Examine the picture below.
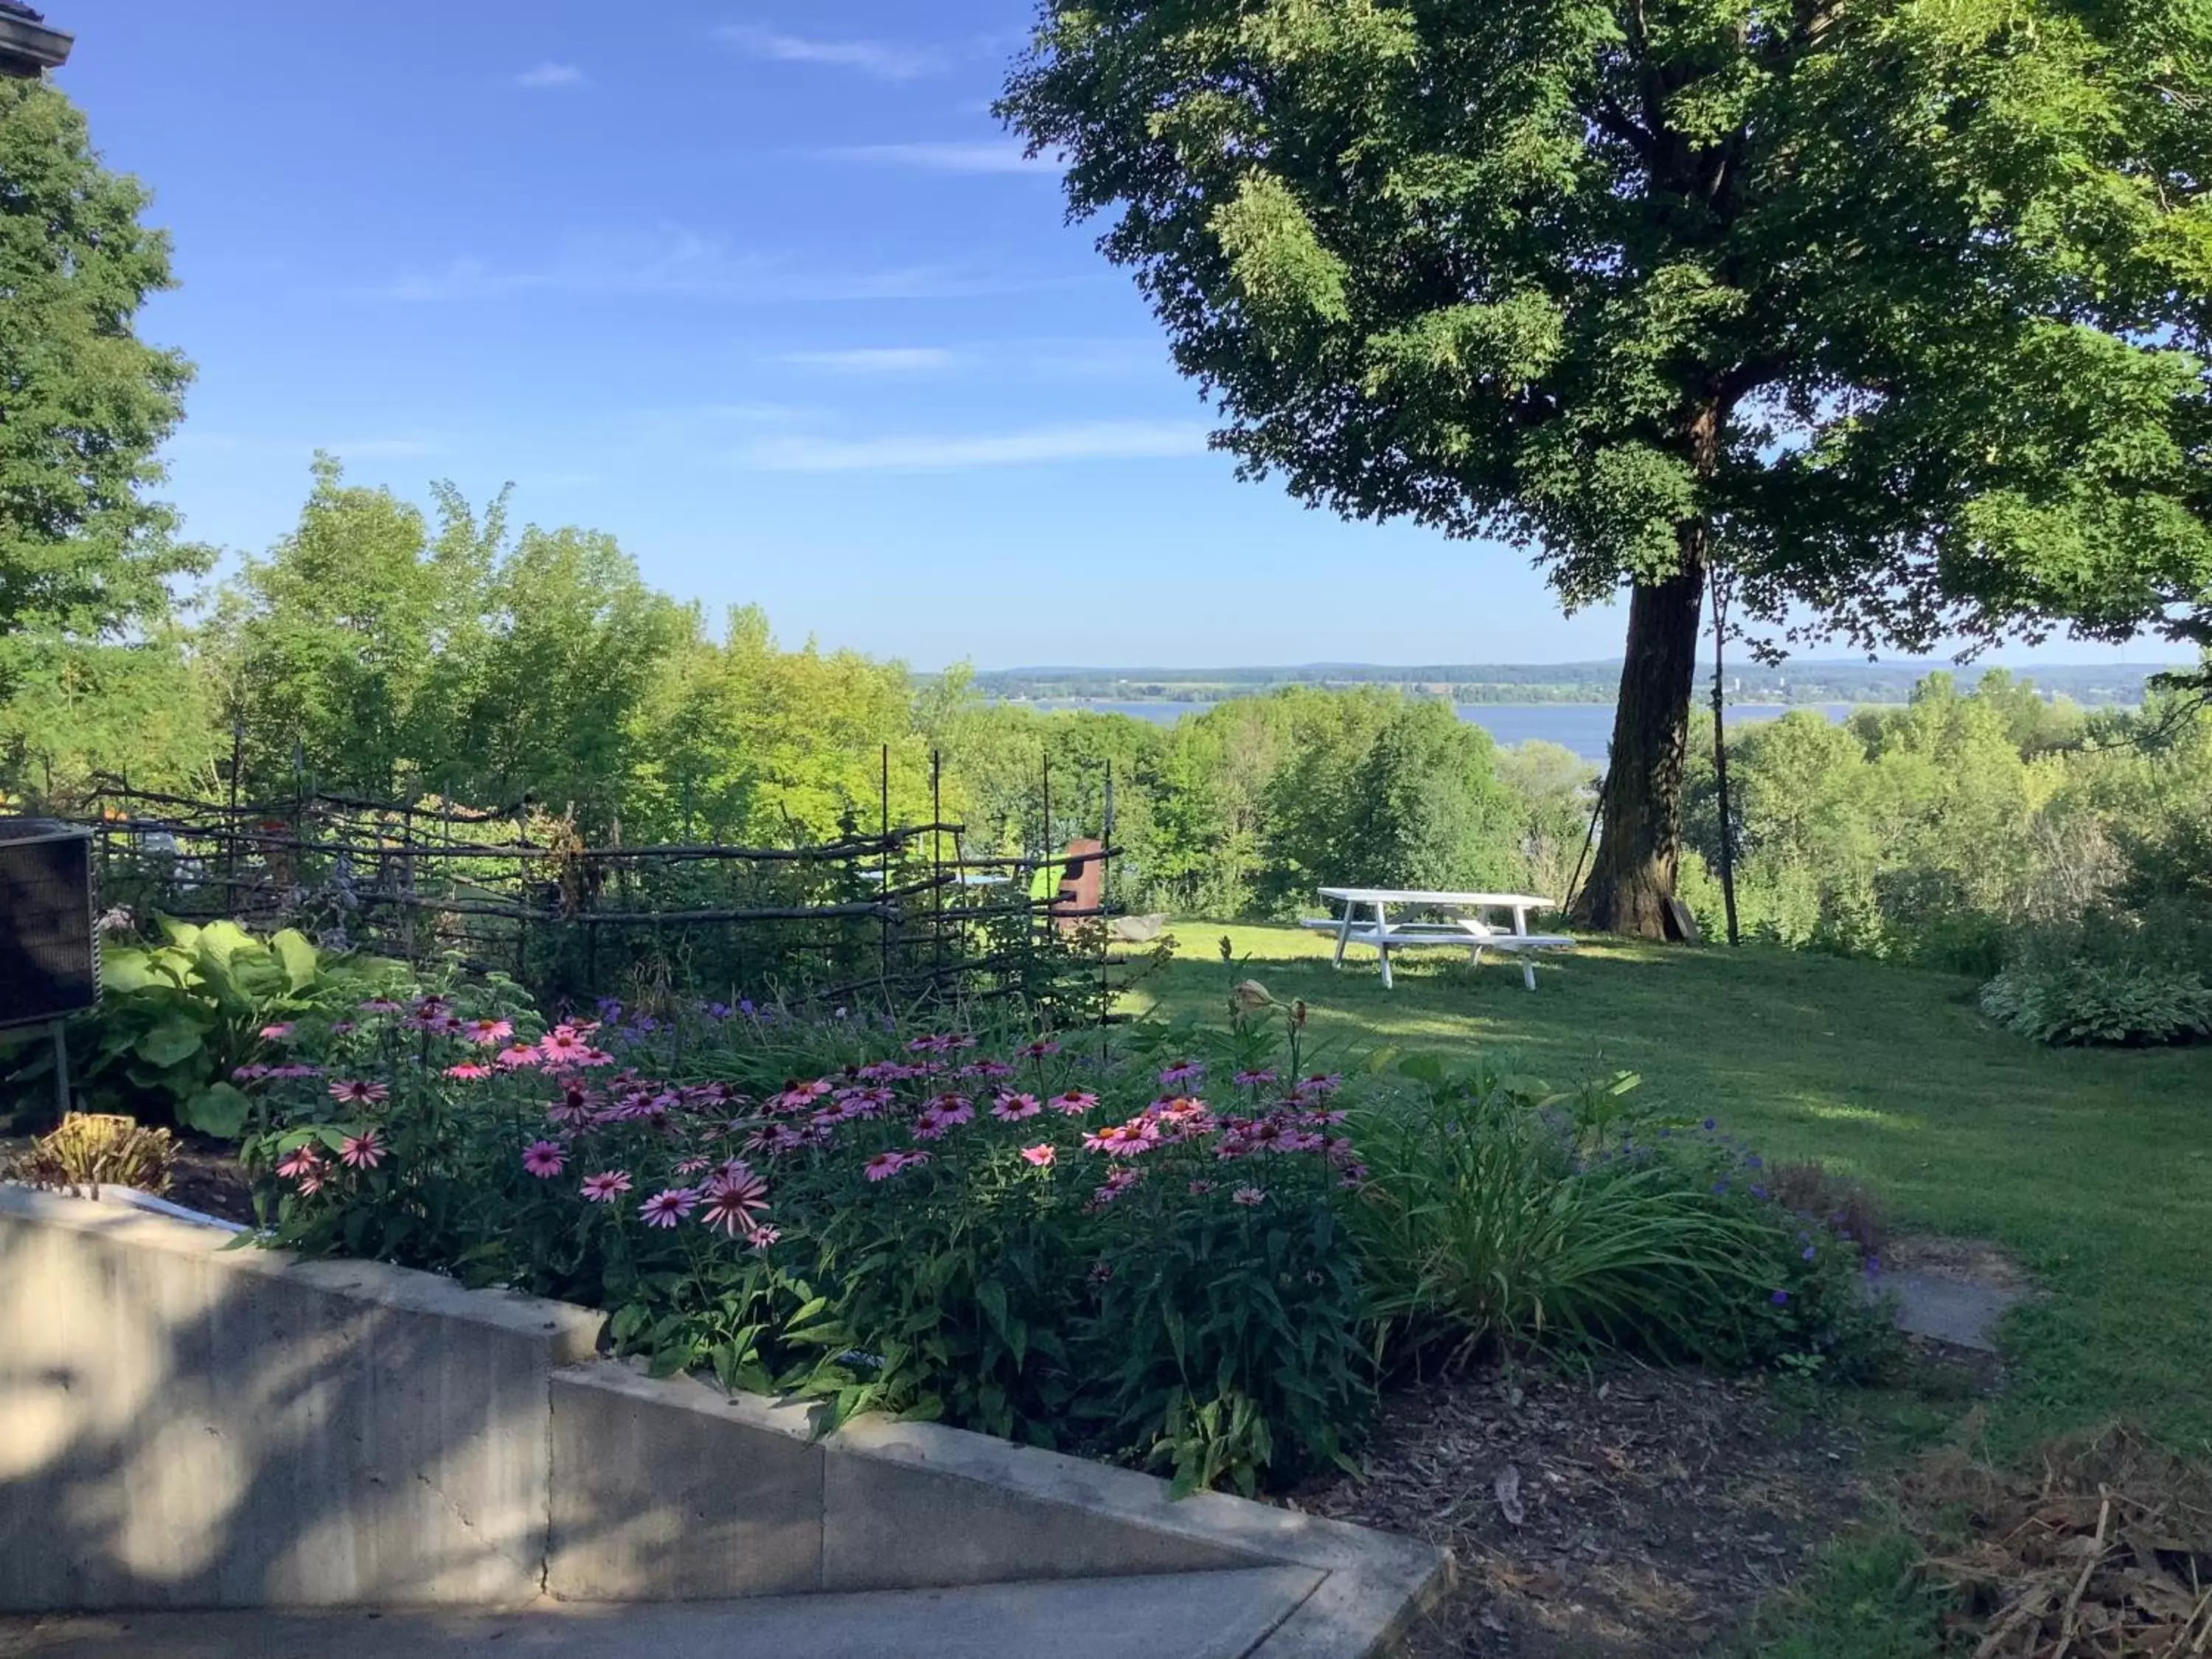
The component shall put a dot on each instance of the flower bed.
(1163, 1248)
(1074, 1248)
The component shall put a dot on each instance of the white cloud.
(1092, 440)
(876, 359)
(676, 262)
(550, 78)
(881, 59)
(948, 158)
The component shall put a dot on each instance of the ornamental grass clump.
(1499, 1215)
(1084, 1248)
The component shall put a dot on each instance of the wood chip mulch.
(1626, 1513)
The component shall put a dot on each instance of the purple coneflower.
(358, 1091)
(545, 1158)
(605, 1187)
(668, 1206)
(362, 1151)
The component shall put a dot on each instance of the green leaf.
(174, 1039)
(220, 1109)
(297, 953)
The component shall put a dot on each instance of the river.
(1584, 727)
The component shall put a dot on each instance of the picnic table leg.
(1383, 942)
(1344, 933)
(1528, 971)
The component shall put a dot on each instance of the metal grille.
(49, 949)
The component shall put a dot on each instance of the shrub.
(175, 1019)
(2106, 979)
(1499, 1213)
(1071, 1249)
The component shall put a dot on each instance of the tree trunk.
(1640, 844)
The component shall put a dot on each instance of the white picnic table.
(1466, 924)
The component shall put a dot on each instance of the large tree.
(1891, 314)
(84, 403)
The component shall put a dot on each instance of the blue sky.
(765, 292)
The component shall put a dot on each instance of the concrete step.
(1197, 1616)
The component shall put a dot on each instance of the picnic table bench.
(1366, 921)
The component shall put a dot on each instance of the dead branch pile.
(2106, 1553)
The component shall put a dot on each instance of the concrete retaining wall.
(185, 1425)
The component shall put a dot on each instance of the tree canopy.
(1895, 314)
(84, 403)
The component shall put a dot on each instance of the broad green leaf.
(296, 952)
(173, 1039)
(220, 1110)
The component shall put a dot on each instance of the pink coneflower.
(593, 1057)
(1117, 1183)
(1175, 1075)
(342, 1028)
(605, 1187)
(545, 1158)
(1122, 1139)
(1249, 1196)
(469, 1071)
(994, 1071)
(1013, 1108)
(289, 1073)
(561, 1046)
(304, 1161)
(691, 1166)
(485, 1032)
(760, 1237)
(929, 1045)
(1320, 1083)
(668, 1206)
(519, 1053)
(379, 1006)
(311, 1182)
(800, 1097)
(730, 1201)
(248, 1073)
(739, 1177)
(362, 1151)
(1200, 1189)
(884, 1165)
(1041, 1156)
(1075, 1103)
(1258, 1080)
(358, 1091)
(1040, 1049)
(276, 1033)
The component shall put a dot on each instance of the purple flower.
(1779, 1297)
(1811, 1253)
(1710, 1124)
(545, 1158)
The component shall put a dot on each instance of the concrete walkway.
(1200, 1615)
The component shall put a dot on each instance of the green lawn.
(2093, 1168)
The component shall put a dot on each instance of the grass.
(2093, 1168)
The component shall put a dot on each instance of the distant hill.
(2100, 684)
